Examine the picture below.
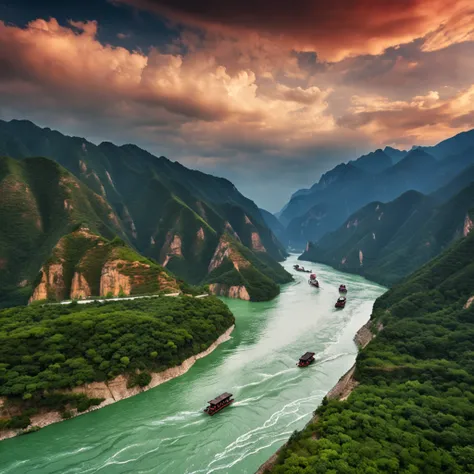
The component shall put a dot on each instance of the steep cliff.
(237, 272)
(84, 264)
(43, 257)
(165, 211)
(386, 241)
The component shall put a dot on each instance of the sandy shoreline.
(116, 389)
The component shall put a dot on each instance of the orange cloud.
(67, 66)
(422, 120)
(334, 30)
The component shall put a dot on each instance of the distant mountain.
(274, 225)
(395, 154)
(374, 162)
(386, 242)
(165, 211)
(459, 144)
(379, 176)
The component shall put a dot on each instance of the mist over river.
(165, 430)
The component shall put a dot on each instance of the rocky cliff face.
(51, 284)
(112, 282)
(239, 292)
(80, 289)
(225, 250)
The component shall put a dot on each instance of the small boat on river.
(341, 302)
(301, 269)
(306, 359)
(313, 281)
(219, 403)
(342, 289)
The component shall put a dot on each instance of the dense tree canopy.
(44, 348)
(413, 411)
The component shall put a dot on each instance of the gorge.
(158, 429)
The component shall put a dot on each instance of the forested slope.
(413, 408)
(48, 350)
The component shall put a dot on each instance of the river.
(165, 430)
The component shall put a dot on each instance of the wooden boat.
(219, 403)
(341, 302)
(306, 359)
(342, 289)
(301, 269)
(314, 282)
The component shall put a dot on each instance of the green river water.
(165, 430)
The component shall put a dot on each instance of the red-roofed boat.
(217, 404)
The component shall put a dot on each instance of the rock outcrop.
(468, 225)
(220, 289)
(52, 282)
(112, 282)
(80, 289)
(257, 243)
(225, 250)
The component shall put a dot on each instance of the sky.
(268, 94)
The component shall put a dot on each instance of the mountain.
(374, 162)
(176, 216)
(406, 406)
(54, 241)
(274, 224)
(395, 154)
(459, 144)
(379, 176)
(386, 242)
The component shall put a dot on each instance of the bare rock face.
(238, 292)
(112, 281)
(468, 225)
(257, 243)
(79, 287)
(172, 246)
(225, 250)
(51, 281)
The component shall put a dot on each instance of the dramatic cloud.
(423, 119)
(277, 90)
(334, 29)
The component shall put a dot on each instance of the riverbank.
(116, 389)
(340, 391)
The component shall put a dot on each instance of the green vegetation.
(258, 272)
(395, 238)
(413, 410)
(106, 189)
(45, 349)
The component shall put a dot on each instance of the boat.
(301, 269)
(342, 289)
(306, 359)
(312, 280)
(341, 302)
(219, 403)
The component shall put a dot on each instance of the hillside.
(58, 357)
(166, 212)
(386, 242)
(379, 176)
(40, 202)
(411, 409)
